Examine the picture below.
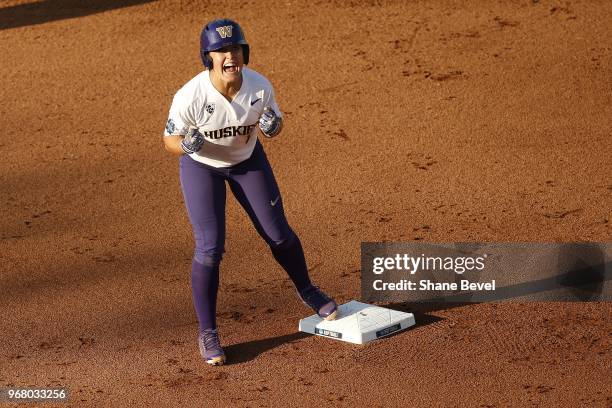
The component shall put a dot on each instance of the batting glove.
(270, 123)
(193, 141)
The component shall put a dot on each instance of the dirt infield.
(425, 120)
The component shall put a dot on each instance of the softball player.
(212, 125)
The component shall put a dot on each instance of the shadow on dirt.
(423, 308)
(50, 10)
(243, 352)
(421, 312)
(422, 318)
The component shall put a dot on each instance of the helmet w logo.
(225, 31)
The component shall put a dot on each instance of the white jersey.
(229, 128)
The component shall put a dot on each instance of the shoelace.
(211, 340)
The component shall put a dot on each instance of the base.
(358, 323)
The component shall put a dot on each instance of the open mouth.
(230, 67)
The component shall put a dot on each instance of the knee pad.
(285, 242)
(208, 259)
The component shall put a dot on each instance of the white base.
(358, 323)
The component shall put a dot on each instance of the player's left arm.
(271, 120)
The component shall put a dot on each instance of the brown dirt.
(423, 120)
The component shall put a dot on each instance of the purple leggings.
(254, 186)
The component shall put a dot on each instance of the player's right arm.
(172, 144)
(190, 143)
(181, 135)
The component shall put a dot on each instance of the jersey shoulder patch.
(170, 126)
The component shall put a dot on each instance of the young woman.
(213, 125)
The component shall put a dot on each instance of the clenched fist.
(270, 123)
(193, 141)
